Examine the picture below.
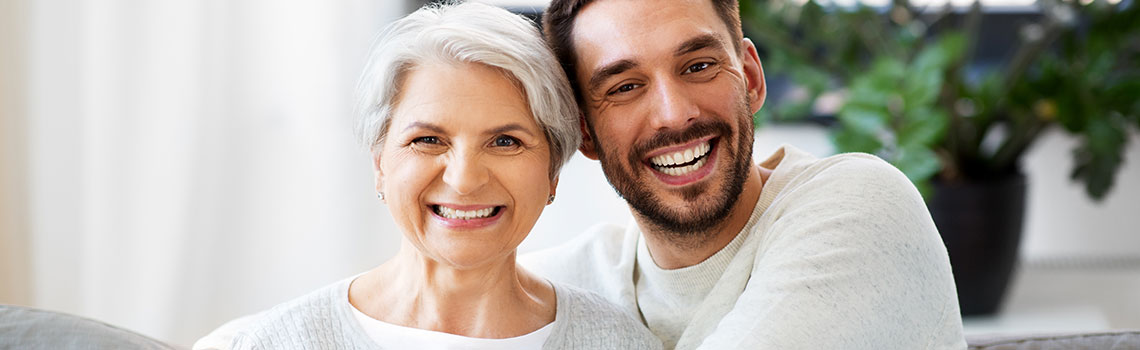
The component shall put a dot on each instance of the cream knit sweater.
(839, 253)
(323, 319)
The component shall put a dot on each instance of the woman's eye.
(429, 140)
(697, 67)
(506, 141)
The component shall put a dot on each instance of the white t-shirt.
(400, 337)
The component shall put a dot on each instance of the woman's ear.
(377, 169)
(754, 73)
(588, 146)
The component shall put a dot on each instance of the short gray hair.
(469, 33)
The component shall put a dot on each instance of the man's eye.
(698, 67)
(625, 88)
(506, 141)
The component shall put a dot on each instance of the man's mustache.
(674, 137)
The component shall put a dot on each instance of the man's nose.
(675, 107)
(466, 172)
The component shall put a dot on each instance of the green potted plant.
(911, 94)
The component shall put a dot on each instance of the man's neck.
(669, 253)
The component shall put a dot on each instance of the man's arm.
(849, 260)
(599, 260)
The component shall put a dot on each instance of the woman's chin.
(475, 257)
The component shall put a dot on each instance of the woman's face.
(464, 167)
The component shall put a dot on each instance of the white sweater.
(323, 319)
(839, 253)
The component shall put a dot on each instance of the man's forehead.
(612, 30)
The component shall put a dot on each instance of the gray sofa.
(1108, 340)
(27, 328)
(33, 329)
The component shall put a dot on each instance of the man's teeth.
(464, 214)
(678, 171)
(669, 163)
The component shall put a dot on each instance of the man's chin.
(684, 211)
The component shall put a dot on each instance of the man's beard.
(692, 226)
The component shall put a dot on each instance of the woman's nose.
(675, 108)
(465, 173)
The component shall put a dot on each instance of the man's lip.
(677, 148)
(690, 178)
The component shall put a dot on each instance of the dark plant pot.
(981, 226)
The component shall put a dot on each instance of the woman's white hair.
(469, 33)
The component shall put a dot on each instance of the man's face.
(669, 105)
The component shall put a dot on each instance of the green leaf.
(886, 73)
(918, 163)
(922, 87)
(761, 118)
(848, 140)
(949, 48)
(1099, 157)
(868, 121)
(923, 127)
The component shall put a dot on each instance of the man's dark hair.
(558, 26)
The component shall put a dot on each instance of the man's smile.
(683, 164)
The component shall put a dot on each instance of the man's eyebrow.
(700, 42)
(509, 127)
(608, 71)
(422, 125)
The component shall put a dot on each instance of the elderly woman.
(469, 120)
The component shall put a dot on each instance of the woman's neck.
(495, 300)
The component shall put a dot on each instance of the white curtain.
(180, 163)
(191, 161)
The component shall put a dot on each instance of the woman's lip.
(467, 224)
(467, 207)
(681, 147)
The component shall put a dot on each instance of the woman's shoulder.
(589, 321)
(319, 315)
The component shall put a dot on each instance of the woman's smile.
(461, 217)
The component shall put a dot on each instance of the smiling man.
(723, 253)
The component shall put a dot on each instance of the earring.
(381, 196)
(550, 200)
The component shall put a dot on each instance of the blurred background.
(166, 166)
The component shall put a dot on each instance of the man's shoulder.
(602, 246)
(591, 321)
(842, 177)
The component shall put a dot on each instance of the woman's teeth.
(463, 214)
(682, 162)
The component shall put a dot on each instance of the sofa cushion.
(28, 328)
(1108, 340)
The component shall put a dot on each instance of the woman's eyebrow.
(509, 127)
(423, 125)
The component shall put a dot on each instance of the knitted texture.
(839, 253)
(323, 319)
